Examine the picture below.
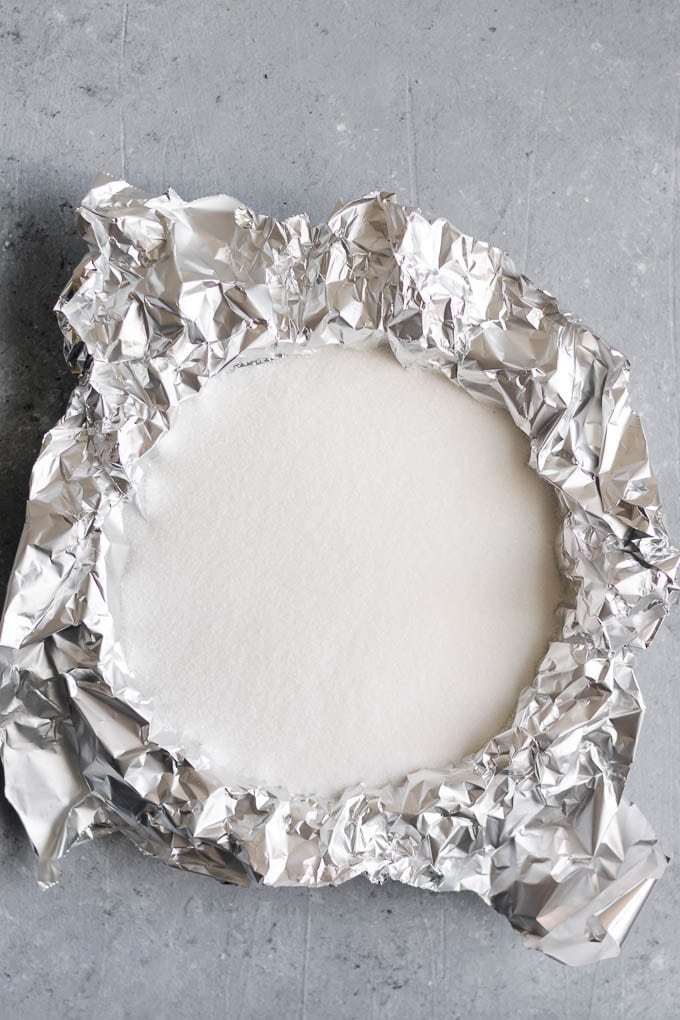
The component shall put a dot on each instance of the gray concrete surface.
(550, 128)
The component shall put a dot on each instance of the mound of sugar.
(342, 571)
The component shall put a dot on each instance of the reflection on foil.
(171, 293)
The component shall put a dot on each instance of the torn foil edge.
(173, 292)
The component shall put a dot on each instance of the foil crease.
(169, 294)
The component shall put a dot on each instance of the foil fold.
(169, 294)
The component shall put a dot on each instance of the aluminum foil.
(173, 292)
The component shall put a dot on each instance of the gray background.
(550, 129)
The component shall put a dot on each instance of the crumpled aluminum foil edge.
(171, 293)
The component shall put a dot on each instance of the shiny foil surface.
(172, 292)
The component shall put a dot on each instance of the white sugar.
(344, 572)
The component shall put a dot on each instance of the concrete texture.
(549, 128)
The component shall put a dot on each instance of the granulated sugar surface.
(343, 571)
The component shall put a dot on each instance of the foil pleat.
(173, 292)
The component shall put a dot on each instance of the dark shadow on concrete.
(38, 249)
